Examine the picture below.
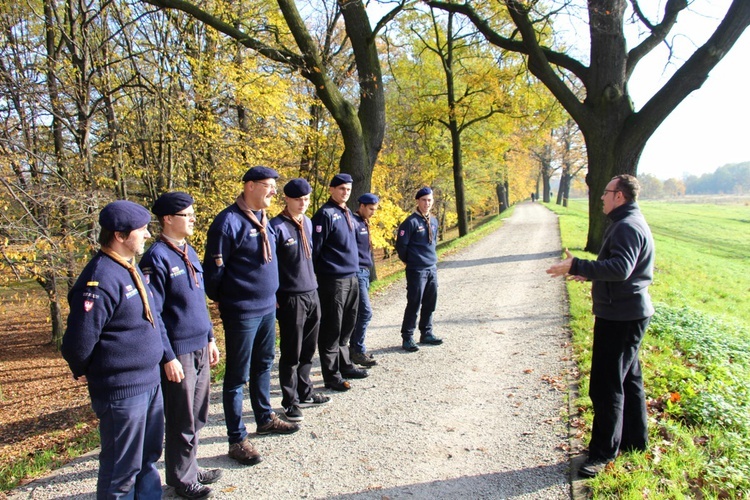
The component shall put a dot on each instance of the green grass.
(696, 354)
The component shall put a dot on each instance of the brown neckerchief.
(301, 228)
(261, 225)
(367, 225)
(344, 209)
(426, 218)
(136, 279)
(185, 258)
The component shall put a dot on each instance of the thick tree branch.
(658, 32)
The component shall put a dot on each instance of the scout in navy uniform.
(336, 264)
(115, 342)
(416, 244)
(297, 298)
(242, 275)
(368, 205)
(622, 308)
(175, 275)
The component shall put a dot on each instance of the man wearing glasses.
(242, 276)
(173, 271)
(622, 308)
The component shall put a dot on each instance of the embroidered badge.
(87, 305)
(147, 278)
(318, 229)
(401, 233)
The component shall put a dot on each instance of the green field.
(696, 355)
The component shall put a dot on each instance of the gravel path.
(479, 417)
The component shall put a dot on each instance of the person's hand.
(563, 267)
(173, 371)
(574, 277)
(213, 354)
(82, 379)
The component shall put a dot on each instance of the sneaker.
(314, 399)
(363, 359)
(245, 453)
(209, 476)
(355, 373)
(194, 491)
(591, 468)
(430, 339)
(410, 346)
(293, 414)
(276, 426)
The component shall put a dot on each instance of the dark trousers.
(299, 324)
(131, 432)
(185, 413)
(250, 346)
(338, 305)
(616, 389)
(421, 290)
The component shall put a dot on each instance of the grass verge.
(695, 357)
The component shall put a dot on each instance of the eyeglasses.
(267, 184)
(187, 216)
(610, 191)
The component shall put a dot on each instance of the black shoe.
(209, 476)
(341, 385)
(355, 373)
(410, 346)
(314, 399)
(431, 340)
(591, 468)
(293, 414)
(363, 359)
(194, 491)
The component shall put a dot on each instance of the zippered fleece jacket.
(624, 268)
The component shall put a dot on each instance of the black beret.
(123, 215)
(423, 192)
(171, 203)
(368, 199)
(340, 179)
(259, 173)
(297, 188)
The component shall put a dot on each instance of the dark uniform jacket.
(624, 269)
(412, 242)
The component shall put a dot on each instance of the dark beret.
(171, 203)
(340, 179)
(368, 199)
(423, 192)
(259, 173)
(297, 188)
(123, 215)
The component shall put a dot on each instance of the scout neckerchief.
(301, 228)
(344, 209)
(367, 225)
(184, 254)
(426, 218)
(136, 279)
(261, 225)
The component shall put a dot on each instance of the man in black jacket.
(622, 308)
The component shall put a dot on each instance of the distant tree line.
(733, 178)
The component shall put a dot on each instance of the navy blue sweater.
(412, 242)
(363, 242)
(334, 242)
(296, 273)
(236, 275)
(624, 268)
(108, 338)
(180, 302)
